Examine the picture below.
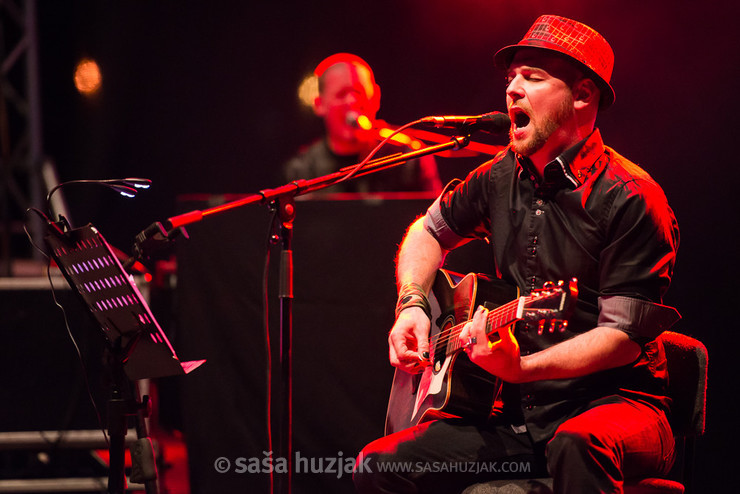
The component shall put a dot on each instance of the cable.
(67, 326)
(382, 143)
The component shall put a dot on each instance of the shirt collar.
(573, 167)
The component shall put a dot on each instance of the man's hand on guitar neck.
(596, 350)
(408, 341)
(502, 358)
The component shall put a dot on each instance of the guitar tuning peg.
(558, 324)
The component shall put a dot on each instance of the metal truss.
(21, 149)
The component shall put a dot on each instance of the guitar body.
(452, 386)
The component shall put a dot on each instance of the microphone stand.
(283, 199)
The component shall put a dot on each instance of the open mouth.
(519, 118)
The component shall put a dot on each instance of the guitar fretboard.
(497, 318)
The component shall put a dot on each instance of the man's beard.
(542, 131)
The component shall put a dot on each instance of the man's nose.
(514, 88)
(351, 98)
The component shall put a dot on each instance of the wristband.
(412, 295)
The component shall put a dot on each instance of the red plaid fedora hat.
(574, 39)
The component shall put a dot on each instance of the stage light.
(88, 78)
(308, 90)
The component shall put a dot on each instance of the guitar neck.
(499, 317)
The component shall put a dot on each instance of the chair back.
(687, 382)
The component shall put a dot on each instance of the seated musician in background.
(348, 102)
(583, 402)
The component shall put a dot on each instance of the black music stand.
(137, 346)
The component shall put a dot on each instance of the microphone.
(358, 120)
(493, 123)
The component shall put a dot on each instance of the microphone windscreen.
(358, 120)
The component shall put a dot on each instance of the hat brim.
(502, 59)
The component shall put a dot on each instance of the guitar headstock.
(551, 305)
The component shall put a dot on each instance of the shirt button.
(539, 212)
(539, 202)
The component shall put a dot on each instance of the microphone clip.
(153, 239)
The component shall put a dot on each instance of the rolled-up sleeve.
(461, 211)
(641, 319)
(436, 225)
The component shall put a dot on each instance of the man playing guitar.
(583, 401)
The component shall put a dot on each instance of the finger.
(397, 348)
(411, 363)
(393, 356)
(507, 337)
(480, 315)
(422, 345)
(421, 334)
(414, 359)
(402, 346)
(405, 356)
(466, 340)
(465, 333)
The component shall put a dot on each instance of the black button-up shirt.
(594, 216)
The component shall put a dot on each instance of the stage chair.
(687, 384)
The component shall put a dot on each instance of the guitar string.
(498, 312)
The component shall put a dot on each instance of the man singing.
(585, 402)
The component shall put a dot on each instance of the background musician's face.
(346, 87)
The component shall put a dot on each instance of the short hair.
(338, 58)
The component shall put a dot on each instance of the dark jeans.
(590, 453)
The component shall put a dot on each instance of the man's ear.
(585, 92)
(375, 100)
(318, 106)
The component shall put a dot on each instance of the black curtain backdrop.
(201, 98)
(344, 299)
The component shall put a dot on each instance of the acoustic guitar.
(452, 386)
